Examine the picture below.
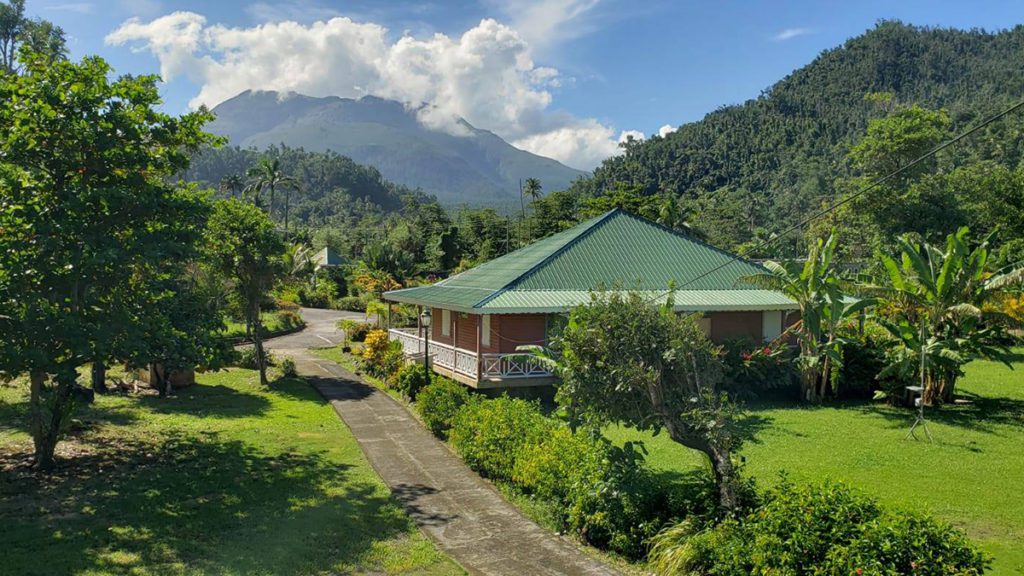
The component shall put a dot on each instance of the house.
(328, 258)
(479, 317)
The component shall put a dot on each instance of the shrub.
(818, 529)
(351, 303)
(354, 331)
(755, 368)
(439, 402)
(288, 369)
(490, 434)
(903, 543)
(560, 464)
(319, 295)
(245, 357)
(410, 379)
(289, 319)
(375, 350)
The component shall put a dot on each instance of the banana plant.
(937, 302)
(825, 308)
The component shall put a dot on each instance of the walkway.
(464, 514)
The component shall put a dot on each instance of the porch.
(479, 370)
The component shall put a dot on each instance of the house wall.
(731, 325)
(507, 330)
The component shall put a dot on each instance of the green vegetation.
(227, 477)
(274, 323)
(970, 477)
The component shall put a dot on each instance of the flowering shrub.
(756, 368)
(381, 356)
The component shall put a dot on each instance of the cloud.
(76, 7)
(296, 10)
(666, 130)
(547, 23)
(634, 134)
(790, 33)
(487, 75)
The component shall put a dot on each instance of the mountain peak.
(465, 164)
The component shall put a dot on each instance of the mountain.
(779, 156)
(477, 168)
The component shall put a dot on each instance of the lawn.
(274, 323)
(224, 478)
(972, 476)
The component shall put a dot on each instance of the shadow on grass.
(207, 400)
(200, 504)
(978, 413)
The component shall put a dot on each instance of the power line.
(874, 184)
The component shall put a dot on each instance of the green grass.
(224, 478)
(274, 323)
(972, 476)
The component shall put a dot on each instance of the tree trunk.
(46, 431)
(257, 339)
(726, 478)
(99, 377)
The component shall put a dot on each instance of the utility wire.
(831, 208)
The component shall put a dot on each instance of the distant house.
(480, 317)
(328, 258)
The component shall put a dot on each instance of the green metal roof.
(616, 249)
(328, 257)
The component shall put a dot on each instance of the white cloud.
(634, 134)
(297, 10)
(790, 33)
(546, 23)
(666, 130)
(487, 75)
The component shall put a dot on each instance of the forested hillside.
(332, 187)
(749, 170)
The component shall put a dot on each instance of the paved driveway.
(321, 330)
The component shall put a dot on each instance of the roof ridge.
(694, 239)
(596, 223)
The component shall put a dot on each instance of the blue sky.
(565, 78)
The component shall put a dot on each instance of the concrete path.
(467, 518)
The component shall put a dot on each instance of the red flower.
(746, 356)
(860, 571)
(767, 350)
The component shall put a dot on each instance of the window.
(446, 322)
(485, 330)
(771, 324)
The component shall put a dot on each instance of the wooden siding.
(730, 325)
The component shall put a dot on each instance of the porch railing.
(469, 363)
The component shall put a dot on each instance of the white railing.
(467, 362)
(444, 355)
(512, 366)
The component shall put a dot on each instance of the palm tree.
(233, 184)
(531, 190)
(824, 308)
(267, 175)
(941, 308)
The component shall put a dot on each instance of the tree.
(244, 246)
(267, 175)
(824, 309)
(941, 302)
(627, 362)
(38, 36)
(233, 184)
(87, 221)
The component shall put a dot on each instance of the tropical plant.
(244, 246)
(90, 226)
(233, 184)
(940, 304)
(659, 371)
(816, 287)
(267, 175)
